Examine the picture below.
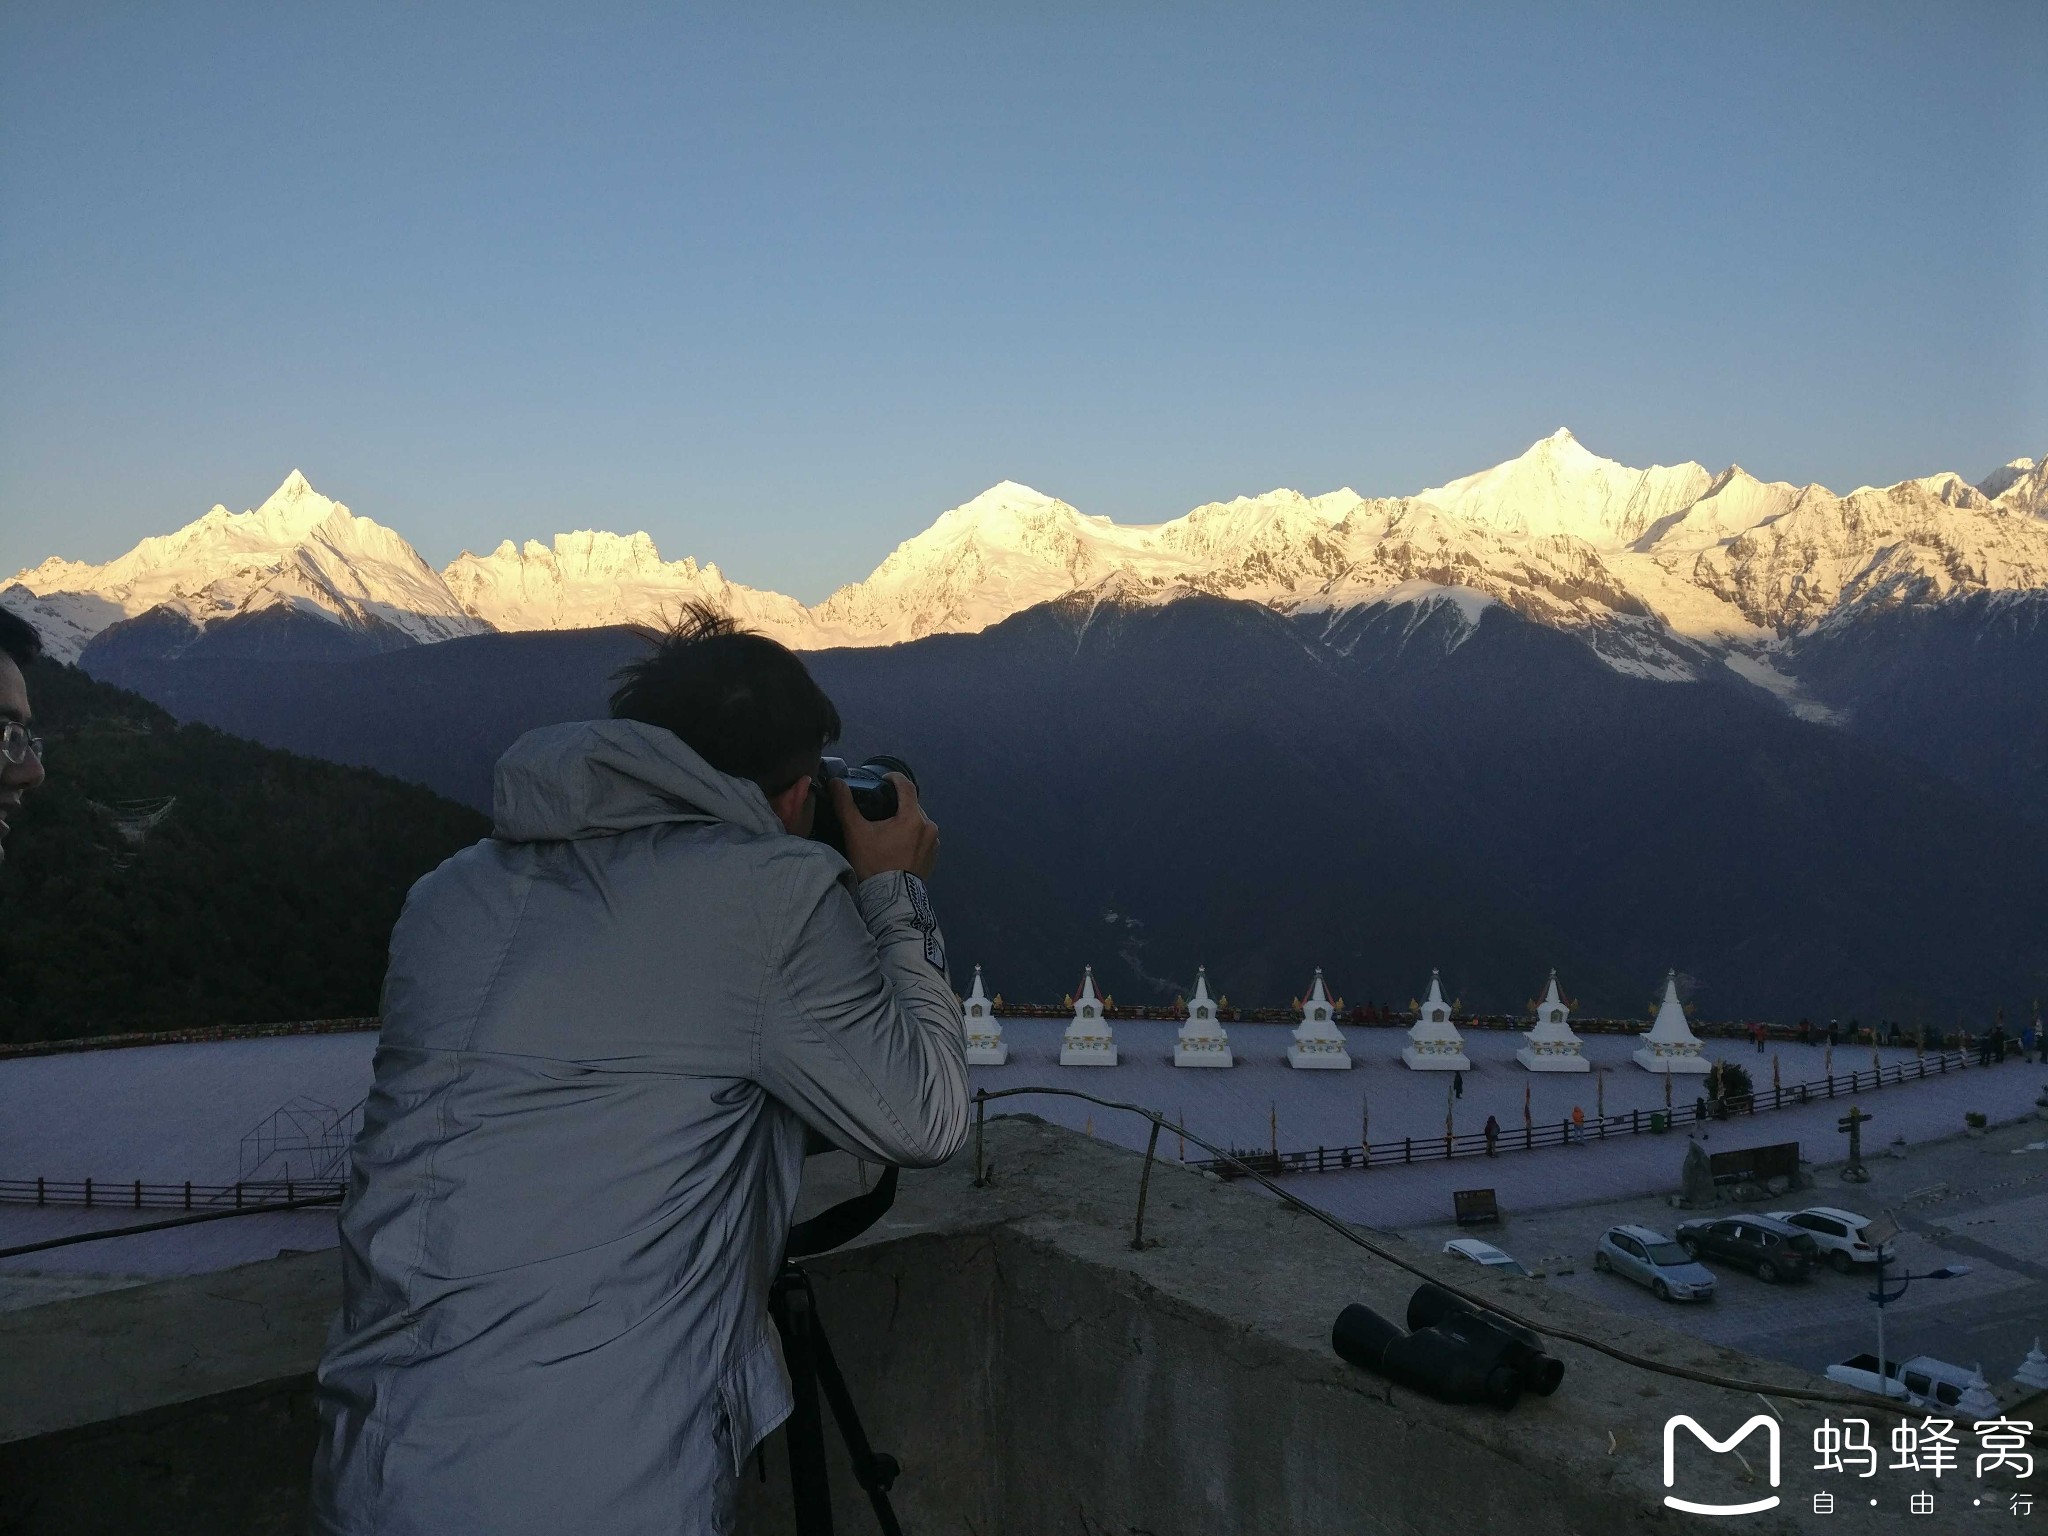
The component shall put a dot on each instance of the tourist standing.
(1492, 1136)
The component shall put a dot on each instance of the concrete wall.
(235, 1462)
(1031, 1369)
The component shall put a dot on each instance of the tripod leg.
(874, 1470)
(789, 1302)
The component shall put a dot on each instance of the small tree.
(1730, 1090)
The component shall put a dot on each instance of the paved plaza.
(173, 1112)
(1966, 1200)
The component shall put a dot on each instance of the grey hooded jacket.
(605, 1029)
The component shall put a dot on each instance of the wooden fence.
(1634, 1122)
(138, 1195)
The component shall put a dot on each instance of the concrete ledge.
(98, 1358)
(1031, 1370)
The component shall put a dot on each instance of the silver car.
(1654, 1260)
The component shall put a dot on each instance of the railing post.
(1634, 1122)
(188, 1194)
(138, 1194)
(88, 1194)
(238, 1194)
(1407, 1149)
(980, 1118)
(1144, 1186)
(288, 1195)
(39, 1189)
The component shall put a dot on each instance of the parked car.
(1652, 1259)
(1773, 1249)
(1923, 1381)
(1485, 1254)
(1838, 1234)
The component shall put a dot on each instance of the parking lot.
(1966, 1200)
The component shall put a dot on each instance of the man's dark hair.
(740, 701)
(18, 638)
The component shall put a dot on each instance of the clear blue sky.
(779, 283)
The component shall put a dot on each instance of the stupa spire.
(1088, 1041)
(1201, 1041)
(1671, 1046)
(1551, 1046)
(1318, 1043)
(985, 1045)
(1434, 1044)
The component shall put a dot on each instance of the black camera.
(873, 795)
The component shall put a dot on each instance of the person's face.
(16, 779)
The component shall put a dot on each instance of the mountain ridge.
(1669, 572)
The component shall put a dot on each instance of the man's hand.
(909, 840)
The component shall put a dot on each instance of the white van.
(1923, 1381)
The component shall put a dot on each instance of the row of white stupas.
(1434, 1044)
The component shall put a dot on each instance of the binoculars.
(1451, 1350)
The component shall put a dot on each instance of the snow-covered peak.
(1734, 503)
(1558, 486)
(1008, 549)
(2027, 491)
(298, 549)
(2003, 478)
(1825, 557)
(586, 579)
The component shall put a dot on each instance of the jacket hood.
(591, 778)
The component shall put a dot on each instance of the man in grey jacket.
(605, 1030)
(21, 750)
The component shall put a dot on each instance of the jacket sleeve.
(861, 1034)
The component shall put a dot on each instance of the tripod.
(808, 1354)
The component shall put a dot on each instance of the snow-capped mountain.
(298, 550)
(1559, 487)
(584, 579)
(1667, 572)
(1825, 558)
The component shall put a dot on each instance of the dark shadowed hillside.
(1149, 788)
(1962, 687)
(171, 875)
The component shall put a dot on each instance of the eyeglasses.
(16, 743)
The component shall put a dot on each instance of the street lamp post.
(1878, 1234)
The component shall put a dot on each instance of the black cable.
(1485, 1304)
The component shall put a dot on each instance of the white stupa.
(1977, 1400)
(1671, 1046)
(985, 1047)
(1434, 1044)
(1088, 1041)
(2033, 1371)
(1201, 1041)
(1551, 1046)
(1318, 1043)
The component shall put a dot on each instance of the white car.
(1485, 1254)
(1923, 1381)
(1838, 1234)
